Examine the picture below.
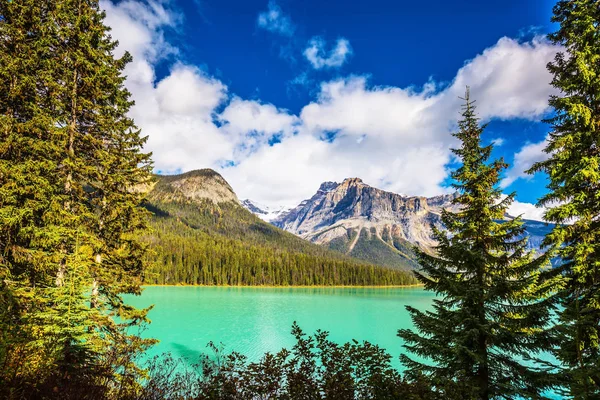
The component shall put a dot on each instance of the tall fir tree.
(492, 312)
(70, 161)
(573, 168)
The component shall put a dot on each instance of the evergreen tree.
(492, 313)
(70, 160)
(573, 169)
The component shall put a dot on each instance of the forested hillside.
(201, 235)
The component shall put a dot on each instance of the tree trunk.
(94, 299)
(60, 274)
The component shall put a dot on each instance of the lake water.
(253, 321)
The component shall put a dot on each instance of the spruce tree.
(491, 313)
(573, 168)
(70, 162)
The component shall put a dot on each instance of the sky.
(281, 95)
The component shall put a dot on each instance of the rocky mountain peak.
(370, 223)
(355, 205)
(352, 182)
(196, 185)
(327, 186)
(364, 221)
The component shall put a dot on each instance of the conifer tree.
(573, 168)
(70, 160)
(491, 312)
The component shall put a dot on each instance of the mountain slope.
(202, 235)
(374, 225)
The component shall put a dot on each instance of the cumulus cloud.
(177, 115)
(316, 53)
(253, 124)
(523, 160)
(178, 92)
(350, 107)
(392, 137)
(139, 28)
(242, 116)
(275, 20)
(527, 211)
(178, 112)
(509, 79)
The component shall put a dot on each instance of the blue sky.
(395, 42)
(280, 95)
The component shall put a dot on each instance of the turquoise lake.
(253, 321)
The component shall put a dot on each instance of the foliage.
(69, 157)
(493, 311)
(573, 168)
(315, 368)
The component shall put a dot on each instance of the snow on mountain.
(265, 212)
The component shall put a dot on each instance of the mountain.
(366, 222)
(194, 186)
(264, 212)
(375, 225)
(201, 234)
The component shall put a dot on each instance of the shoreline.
(290, 286)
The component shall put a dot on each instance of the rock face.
(198, 185)
(354, 205)
(372, 224)
(366, 222)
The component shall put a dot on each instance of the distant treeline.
(208, 244)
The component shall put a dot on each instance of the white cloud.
(527, 211)
(394, 138)
(177, 115)
(523, 160)
(252, 124)
(179, 92)
(351, 107)
(242, 116)
(293, 169)
(178, 112)
(509, 79)
(139, 28)
(274, 20)
(317, 54)
(498, 142)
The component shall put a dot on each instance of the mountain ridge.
(373, 224)
(202, 234)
